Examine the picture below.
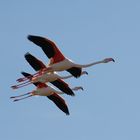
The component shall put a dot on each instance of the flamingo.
(58, 62)
(42, 90)
(55, 98)
(45, 78)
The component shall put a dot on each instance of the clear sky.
(85, 31)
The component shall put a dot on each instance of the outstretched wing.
(59, 102)
(63, 86)
(55, 98)
(37, 65)
(48, 47)
(51, 50)
(34, 62)
(76, 72)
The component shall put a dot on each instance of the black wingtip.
(66, 110)
(68, 91)
(67, 113)
(22, 72)
(29, 37)
(34, 38)
(26, 54)
(72, 94)
(25, 74)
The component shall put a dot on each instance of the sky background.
(85, 31)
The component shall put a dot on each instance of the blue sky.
(85, 31)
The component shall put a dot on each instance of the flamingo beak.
(86, 73)
(113, 60)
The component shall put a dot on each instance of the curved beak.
(86, 73)
(113, 60)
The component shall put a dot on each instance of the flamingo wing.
(76, 72)
(63, 87)
(37, 65)
(59, 102)
(51, 50)
(28, 75)
(55, 98)
(48, 47)
(34, 62)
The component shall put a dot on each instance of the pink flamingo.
(42, 90)
(45, 90)
(45, 78)
(58, 62)
(55, 98)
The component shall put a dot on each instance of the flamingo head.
(78, 88)
(106, 60)
(85, 72)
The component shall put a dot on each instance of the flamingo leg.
(21, 85)
(21, 95)
(28, 77)
(22, 98)
(42, 71)
(37, 74)
(23, 79)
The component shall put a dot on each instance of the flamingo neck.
(88, 65)
(84, 72)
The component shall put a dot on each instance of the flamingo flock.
(46, 74)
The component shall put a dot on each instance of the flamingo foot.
(20, 79)
(14, 87)
(12, 97)
(15, 100)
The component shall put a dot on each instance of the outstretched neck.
(88, 65)
(65, 77)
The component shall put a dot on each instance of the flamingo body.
(47, 77)
(55, 98)
(44, 91)
(62, 65)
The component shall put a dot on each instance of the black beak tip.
(112, 59)
(29, 37)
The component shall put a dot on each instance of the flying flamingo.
(45, 78)
(58, 62)
(55, 98)
(42, 90)
(53, 78)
